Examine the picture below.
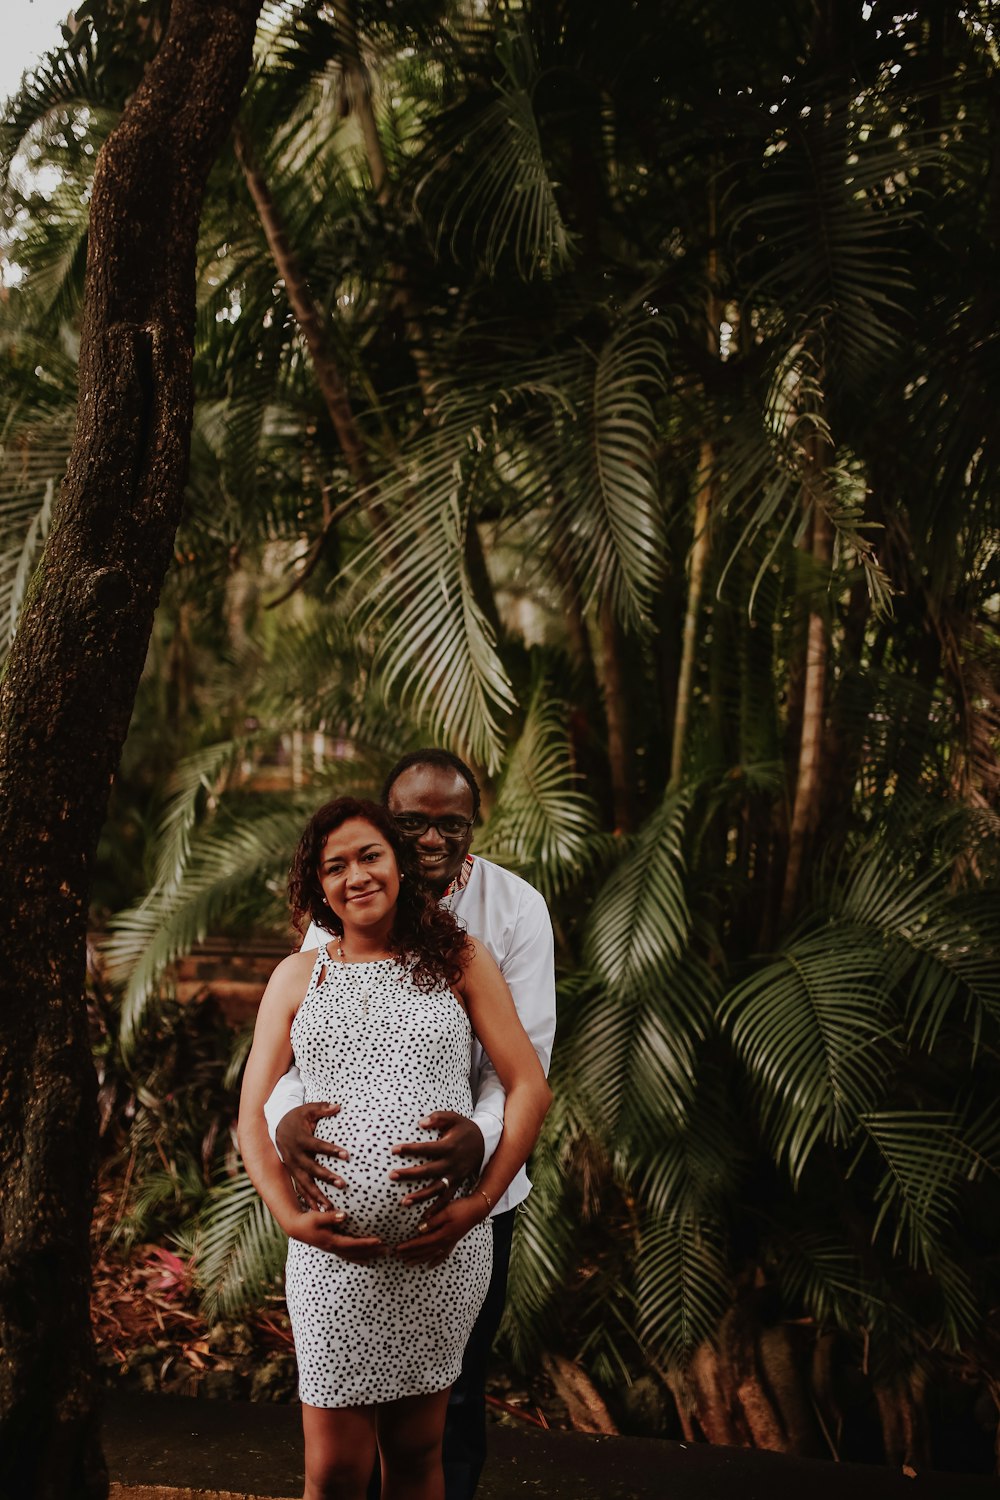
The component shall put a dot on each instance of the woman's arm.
(498, 1027)
(269, 1058)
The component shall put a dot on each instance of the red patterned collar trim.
(461, 879)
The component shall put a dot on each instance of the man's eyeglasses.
(414, 826)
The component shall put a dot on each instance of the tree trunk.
(616, 714)
(704, 494)
(903, 1415)
(696, 580)
(360, 95)
(65, 704)
(332, 386)
(808, 784)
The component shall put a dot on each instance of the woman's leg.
(340, 1451)
(409, 1442)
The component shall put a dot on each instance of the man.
(434, 800)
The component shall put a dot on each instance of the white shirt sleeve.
(529, 969)
(289, 1091)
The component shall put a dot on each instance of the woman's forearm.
(267, 1171)
(525, 1110)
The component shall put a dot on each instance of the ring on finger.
(445, 1183)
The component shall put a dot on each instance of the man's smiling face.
(442, 795)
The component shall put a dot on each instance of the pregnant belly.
(372, 1202)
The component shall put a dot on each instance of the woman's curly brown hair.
(425, 938)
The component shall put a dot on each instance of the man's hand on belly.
(299, 1147)
(445, 1163)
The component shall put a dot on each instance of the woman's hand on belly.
(324, 1231)
(444, 1229)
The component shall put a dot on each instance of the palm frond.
(61, 79)
(610, 509)
(925, 1158)
(683, 1284)
(824, 1275)
(33, 459)
(239, 1250)
(814, 1028)
(437, 650)
(542, 1251)
(634, 1055)
(693, 1169)
(943, 946)
(497, 187)
(542, 821)
(229, 872)
(845, 186)
(198, 777)
(927, 1155)
(640, 924)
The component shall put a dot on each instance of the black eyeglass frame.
(414, 832)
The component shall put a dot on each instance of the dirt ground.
(255, 1450)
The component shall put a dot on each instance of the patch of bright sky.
(30, 29)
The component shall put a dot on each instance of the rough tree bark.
(65, 704)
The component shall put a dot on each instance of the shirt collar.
(461, 879)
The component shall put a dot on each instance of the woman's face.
(359, 875)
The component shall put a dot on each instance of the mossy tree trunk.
(65, 704)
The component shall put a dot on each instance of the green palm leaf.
(634, 1055)
(943, 946)
(640, 924)
(229, 873)
(825, 1276)
(33, 459)
(611, 511)
(545, 1244)
(497, 186)
(239, 1250)
(926, 1157)
(928, 1154)
(683, 1284)
(815, 1031)
(843, 189)
(542, 821)
(437, 650)
(693, 1169)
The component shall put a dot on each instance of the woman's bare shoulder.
(289, 979)
(477, 961)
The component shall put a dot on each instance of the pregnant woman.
(383, 1021)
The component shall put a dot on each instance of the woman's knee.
(411, 1448)
(340, 1452)
(336, 1477)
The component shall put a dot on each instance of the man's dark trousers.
(465, 1424)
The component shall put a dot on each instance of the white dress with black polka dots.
(365, 1037)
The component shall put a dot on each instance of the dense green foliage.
(664, 487)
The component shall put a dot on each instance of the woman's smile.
(358, 874)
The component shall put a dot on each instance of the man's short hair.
(444, 760)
